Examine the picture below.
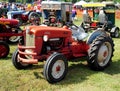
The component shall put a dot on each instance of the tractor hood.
(52, 32)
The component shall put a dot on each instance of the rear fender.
(94, 35)
(26, 13)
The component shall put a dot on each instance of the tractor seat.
(78, 34)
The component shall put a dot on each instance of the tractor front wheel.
(55, 68)
(4, 49)
(17, 63)
(100, 53)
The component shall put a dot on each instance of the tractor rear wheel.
(17, 63)
(100, 53)
(4, 49)
(55, 68)
(34, 18)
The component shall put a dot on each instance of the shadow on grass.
(6, 59)
(78, 71)
(114, 68)
(37, 74)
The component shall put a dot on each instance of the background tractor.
(96, 22)
(25, 17)
(56, 13)
(10, 32)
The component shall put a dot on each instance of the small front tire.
(16, 63)
(55, 68)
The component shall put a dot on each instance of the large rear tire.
(100, 53)
(34, 18)
(17, 63)
(4, 49)
(55, 68)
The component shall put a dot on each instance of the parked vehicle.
(10, 32)
(109, 8)
(25, 17)
(56, 13)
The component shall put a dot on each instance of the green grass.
(79, 77)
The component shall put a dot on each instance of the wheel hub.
(58, 69)
(102, 54)
(105, 54)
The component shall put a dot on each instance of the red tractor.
(10, 32)
(58, 45)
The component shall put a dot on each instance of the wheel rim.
(14, 38)
(3, 50)
(34, 18)
(104, 54)
(58, 69)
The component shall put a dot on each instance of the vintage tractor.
(109, 9)
(56, 46)
(25, 17)
(56, 13)
(10, 32)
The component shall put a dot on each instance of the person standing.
(74, 13)
(86, 17)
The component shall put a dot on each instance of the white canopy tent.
(80, 3)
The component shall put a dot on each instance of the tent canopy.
(94, 5)
(80, 3)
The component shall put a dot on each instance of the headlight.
(45, 38)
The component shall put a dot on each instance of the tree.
(12, 1)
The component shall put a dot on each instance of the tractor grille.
(30, 40)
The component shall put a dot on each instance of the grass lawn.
(79, 77)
